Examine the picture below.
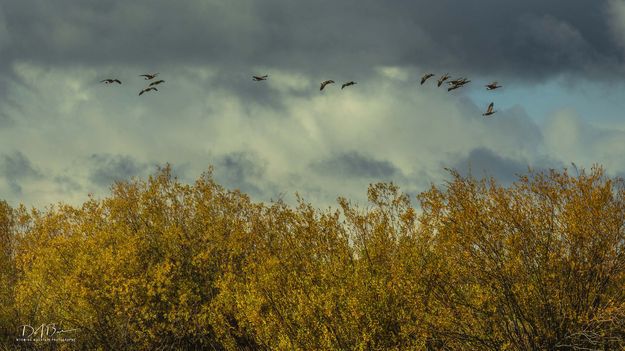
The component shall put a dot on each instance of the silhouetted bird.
(426, 77)
(459, 81)
(442, 79)
(490, 110)
(259, 78)
(324, 83)
(156, 83)
(347, 84)
(149, 76)
(492, 86)
(109, 81)
(146, 90)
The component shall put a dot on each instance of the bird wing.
(118, 81)
(141, 92)
(490, 107)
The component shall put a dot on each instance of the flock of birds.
(459, 83)
(453, 85)
(147, 76)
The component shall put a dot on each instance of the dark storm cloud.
(15, 168)
(482, 162)
(356, 165)
(532, 39)
(106, 169)
(240, 170)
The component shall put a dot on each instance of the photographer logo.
(45, 332)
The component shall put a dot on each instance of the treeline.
(162, 265)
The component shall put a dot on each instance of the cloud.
(322, 145)
(482, 162)
(532, 39)
(352, 164)
(107, 169)
(243, 171)
(616, 20)
(16, 168)
(4, 31)
(569, 137)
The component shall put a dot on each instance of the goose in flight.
(492, 86)
(324, 83)
(259, 78)
(459, 81)
(149, 76)
(426, 77)
(443, 78)
(453, 87)
(458, 84)
(156, 83)
(347, 84)
(109, 81)
(490, 110)
(147, 89)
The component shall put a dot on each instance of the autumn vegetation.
(164, 265)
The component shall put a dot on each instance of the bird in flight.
(149, 76)
(147, 89)
(459, 81)
(492, 86)
(156, 82)
(490, 110)
(259, 78)
(443, 78)
(324, 83)
(453, 87)
(426, 77)
(457, 84)
(346, 84)
(109, 81)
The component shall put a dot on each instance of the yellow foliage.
(160, 264)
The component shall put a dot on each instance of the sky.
(64, 135)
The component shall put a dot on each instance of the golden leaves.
(162, 264)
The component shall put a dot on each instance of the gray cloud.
(16, 168)
(354, 165)
(325, 144)
(482, 162)
(529, 39)
(241, 170)
(106, 169)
